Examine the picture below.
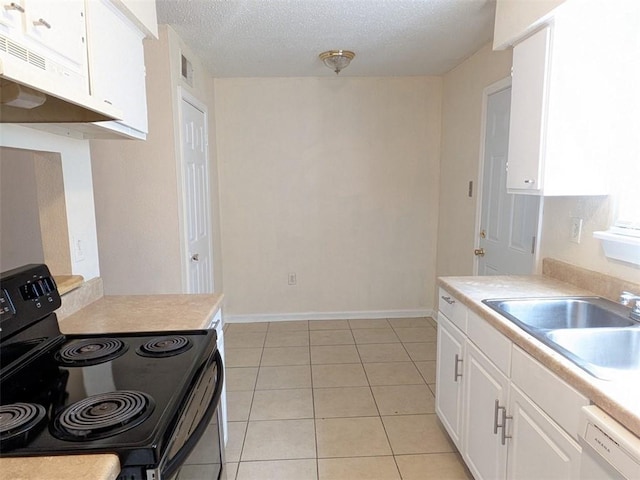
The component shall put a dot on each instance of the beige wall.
(596, 213)
(335, 179)
(516, 18)
(461, 121)
(137, 187)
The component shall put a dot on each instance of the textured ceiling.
(268, 38)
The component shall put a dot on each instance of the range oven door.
(196, 446)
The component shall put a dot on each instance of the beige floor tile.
(409, 322)
(375, 335)
(416, 334)
(433, 322)
(385, 352)
(432, 387)
(416, 434)
(233, 448)
(247, 327)
(328, 325)
(236, 339)
(279, 440)
(242, 357)
(282, 404)
(359, 468)
(351, 437)
(327, 354)
(404, 399)
(231, 469)
(369, 323)
(340, 375)
(239, 405)
(287, 339)
(291, 326)
(428, 371)
(433, 466)
(344, 402)
(422, 351)
(331, 337)
(240, 378)
(285, 356)
(278, 470)
(285, 376)
(394, 373)
(198, 472)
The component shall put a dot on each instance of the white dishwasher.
(609, 451)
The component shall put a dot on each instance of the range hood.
(37, 97)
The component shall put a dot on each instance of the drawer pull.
(503, 424)
(449, 300)
(456, 373)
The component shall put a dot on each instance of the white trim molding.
(288, 317)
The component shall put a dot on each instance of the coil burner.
(92, 351)
(165, 346)
(103, 415)
(19, 422)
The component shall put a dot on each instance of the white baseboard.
(288, 317)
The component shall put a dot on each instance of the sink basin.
(562, 312)
(606, 353)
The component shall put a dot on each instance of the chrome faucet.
(626, 299)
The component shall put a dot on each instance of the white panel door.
(197, 199)
(508, 222)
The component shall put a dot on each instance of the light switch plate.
(576, 229)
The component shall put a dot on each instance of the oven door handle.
(179, 458)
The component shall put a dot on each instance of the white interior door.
(508, 223)
(197, 217)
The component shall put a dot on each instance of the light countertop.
(114, 314)
(620, 399)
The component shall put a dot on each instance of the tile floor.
(335, 400)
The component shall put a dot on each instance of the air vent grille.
(22, 53)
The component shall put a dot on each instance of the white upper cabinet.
(571, 80)
(117, 72)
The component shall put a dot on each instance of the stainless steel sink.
(595, 333)
(565, 312)
(607, 353)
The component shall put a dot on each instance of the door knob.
(195, 257)
(479, 252)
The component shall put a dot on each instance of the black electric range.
(147, 397)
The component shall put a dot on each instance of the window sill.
(620, 247)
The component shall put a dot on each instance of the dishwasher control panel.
(611, 442)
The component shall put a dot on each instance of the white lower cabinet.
(489, 413)
(538, 447)
(484, 414)
(451, 343)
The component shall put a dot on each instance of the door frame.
(184, 95)
(486, 93)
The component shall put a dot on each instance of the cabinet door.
(529, 89)
(116, 63)
(539, 448)
(485, 384)
(449, 377)
(58, 26)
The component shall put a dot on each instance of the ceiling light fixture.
(336, 60)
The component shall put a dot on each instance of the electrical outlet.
(576, 229)
(292, 279)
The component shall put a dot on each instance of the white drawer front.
(453, 309)
(491, 342)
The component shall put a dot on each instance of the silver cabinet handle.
(456, 373)
(41, 22)
(14, 6)
(503, 410)
(530, 182)
(195, 257)
(449, 300)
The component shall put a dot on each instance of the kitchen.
(125, 179)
